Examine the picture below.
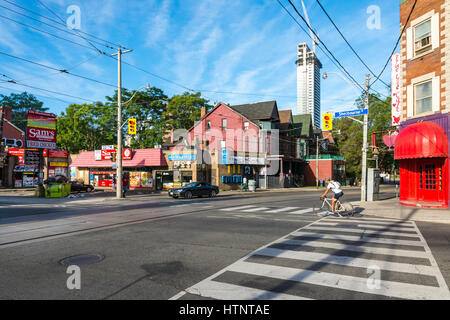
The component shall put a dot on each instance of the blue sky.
(245, 46)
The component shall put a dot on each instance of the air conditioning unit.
(16, 143)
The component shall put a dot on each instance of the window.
(208, 125)
(423, 97)
(246, 125)
(223, 144)
(224, 124)
(422, 37)
(421, 177)
(430, 177)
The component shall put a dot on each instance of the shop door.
(432, 184)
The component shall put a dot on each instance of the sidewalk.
(391, 208)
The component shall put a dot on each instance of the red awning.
(141, 158)
(421, 140)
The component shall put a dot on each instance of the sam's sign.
(41, 130)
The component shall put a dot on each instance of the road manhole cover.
(81, 259)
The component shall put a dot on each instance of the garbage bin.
(252, 185)
(57, 190)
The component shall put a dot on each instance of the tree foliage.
(350, 140)
(20, 103)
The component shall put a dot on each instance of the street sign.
(350, 113)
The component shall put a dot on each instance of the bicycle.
(340, 208)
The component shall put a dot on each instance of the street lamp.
(147, 88)
(365, 129)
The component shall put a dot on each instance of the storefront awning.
(141, 158)
(421, 140)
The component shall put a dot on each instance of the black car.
(78, 186)
(199, 189)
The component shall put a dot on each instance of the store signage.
(225, 156)
(395, 90)
(41, 130)
(181, 157)
(127, 154)
(31, 157)
(110, 147)
(26, 168)
(245, 160)
(106, 154)
(57, 154)
(59, 164)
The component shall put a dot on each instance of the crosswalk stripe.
(348, 261)
(365, 231)
(339, 246)
(302, 211)
(226, 291)
(282, 209)
(366, 285)
(237, 208)
(255, 209)
(364, 219)
(357, 238)
(383, 223)
(372, 226)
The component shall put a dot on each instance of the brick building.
(422, 145)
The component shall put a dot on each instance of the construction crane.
(313, 37)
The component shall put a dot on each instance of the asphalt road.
(255, 246)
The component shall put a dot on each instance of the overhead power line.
(65, 71)
(308, 34)
(63, 24)
(324, 45)
(60, 29)
(396, 44)
(348, 43)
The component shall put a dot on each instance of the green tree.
(20, 103)
(349, 142)
(183, 110)
(82, 127)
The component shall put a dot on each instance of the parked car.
(56, 179)
(79, 186)
(199, 189)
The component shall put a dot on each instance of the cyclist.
(336, 188)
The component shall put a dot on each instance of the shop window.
(440, 178)
(421, 177)
(423, 97)
(422, 38)
(430, 177)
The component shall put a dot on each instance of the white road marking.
(178, 295)
(226, 291)
(255, 209)
(375, 220)
(282, 209)
(302, 211)
(356, 238)
(386, 288)
(237, 208)
(364, 231)
(349, 261)
(346, 247)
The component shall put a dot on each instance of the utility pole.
(119, 53)
(317, 162)
(364, 154)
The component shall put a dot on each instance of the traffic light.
(132, 126)
(327, 121)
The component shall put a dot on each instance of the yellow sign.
(58, 164)
(327, 119)
(132, 126)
